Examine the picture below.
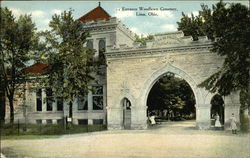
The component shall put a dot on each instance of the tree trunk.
(11, 99)
(2, 105)
(70, 109)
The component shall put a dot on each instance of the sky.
(161, 17)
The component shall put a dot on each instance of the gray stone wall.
(132, 73)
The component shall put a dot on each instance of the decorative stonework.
(139, 52)
(124, 88)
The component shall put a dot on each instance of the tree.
(71, 64)
(18, 43)
(2, 100)
(230, 26)
(142, 39)
(191, 26)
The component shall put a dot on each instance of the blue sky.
(163, 21)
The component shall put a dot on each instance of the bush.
(245, 123)
(52, 129)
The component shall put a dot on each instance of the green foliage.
(58, 129)
(71, 65)
(245, 99)
(142, 39)
(230, 26)
(191, 26)
(17, 46)
(245, 123)
(172, 94)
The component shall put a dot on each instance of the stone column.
(203, 116)
(138, 117)
(44, 102)
(90, 122)
(96, 46)
(90, 101)
(232, 105)
(115, 118)
(66, 109)
(74, 111)
(54, 105)
(75, 106)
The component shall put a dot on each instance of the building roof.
(37, 69)
(96, 14)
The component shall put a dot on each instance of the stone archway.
(131, 73)
(202, 109)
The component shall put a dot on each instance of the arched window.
(102, 49)
(90, 44)
(126, 104)
(102, 46)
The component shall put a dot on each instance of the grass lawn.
(16, 137)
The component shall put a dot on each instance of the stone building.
(132, 69)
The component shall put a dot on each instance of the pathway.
(168, 140)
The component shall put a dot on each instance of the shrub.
(245, 123)
(52, 129)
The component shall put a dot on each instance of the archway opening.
(126, 113)
(171, 99)
(217, 110)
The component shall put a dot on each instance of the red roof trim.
(96, 14)
(37, 69)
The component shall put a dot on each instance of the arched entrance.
(171, 99)
(126, 113)
(217, 109)
(202, 108)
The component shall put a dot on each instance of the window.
(102, 46)
(59, 103)
(102, 49)
(49, 121)
(82, 122)
(90, 44)
(38, 122)
(97, 97)
(60, 121)
(39, 100)
(127, 104)
(49, 98)
(82, 103)
(98, 121)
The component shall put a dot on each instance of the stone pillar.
(54, 121)
(96, 46)
(65, 109)
(232, 105)
(54, 105)
(74, 111)
(138, 117)
(44, 102)
(203, 116)
(90, 122)
(90, 101)
(115, 118)
(75, 106)
(44, 122)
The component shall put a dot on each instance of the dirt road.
(169, 140)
